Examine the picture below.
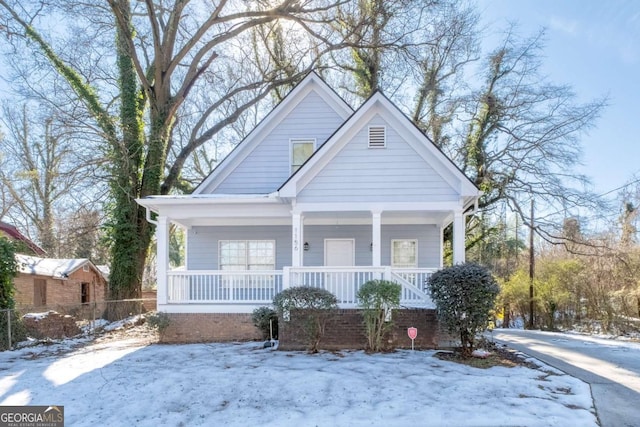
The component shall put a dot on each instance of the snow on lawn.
(122, 382)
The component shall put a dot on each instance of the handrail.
(405, 283)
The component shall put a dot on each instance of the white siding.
(267, 167)
(395, 174)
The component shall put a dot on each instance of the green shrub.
(160, 321)
(378, 298)
(464, 296)
(8, 270)
(315, 304)
(265, 318)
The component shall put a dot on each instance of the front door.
(340, 282)
(339, 252)
(39, 292)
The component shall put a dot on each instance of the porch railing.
(345, 282)
(259, 287)
(222, 286)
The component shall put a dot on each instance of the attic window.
(301, 150)
(85, 267)
(377, 137)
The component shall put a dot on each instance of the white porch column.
(162, 258)
(376, 225)
(296, 239)
(458, 238)
(441, 247)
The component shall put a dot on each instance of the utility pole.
(517, 244)
(531, 268)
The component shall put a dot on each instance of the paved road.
(612, 368)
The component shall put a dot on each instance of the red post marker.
(413, 333)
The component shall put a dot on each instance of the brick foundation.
(210, 327)
(345, 330)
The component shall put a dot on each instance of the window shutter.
(377, 137)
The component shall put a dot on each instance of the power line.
(619, 188)
(598, 195)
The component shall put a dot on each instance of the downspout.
(474, 210)
(148, 216)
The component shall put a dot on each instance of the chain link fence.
(66, 320)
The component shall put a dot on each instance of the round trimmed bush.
(464, 295)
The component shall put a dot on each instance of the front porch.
(242, 250)
(220, 291)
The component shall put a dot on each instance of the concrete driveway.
(612, 368)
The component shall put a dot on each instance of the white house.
(317, 195)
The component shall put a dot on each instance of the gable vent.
(377, 137)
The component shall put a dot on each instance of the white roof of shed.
(51, 267)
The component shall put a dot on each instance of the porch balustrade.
(259, 287)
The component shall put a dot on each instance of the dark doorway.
(84, 293)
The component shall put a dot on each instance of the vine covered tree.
(8, 271)
(162, 53)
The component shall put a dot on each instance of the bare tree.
(6, 199)
(515, 134)
(162, 54)
(453, 46)
(42, 172)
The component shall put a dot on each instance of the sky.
(123, 380)
(594, 46)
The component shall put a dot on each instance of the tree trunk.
(506, 317)
(131, 232)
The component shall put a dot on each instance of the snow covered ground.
(124, 380)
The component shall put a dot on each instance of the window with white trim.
(404, 253)
(240, 255)
(377, 137)
(301, 150)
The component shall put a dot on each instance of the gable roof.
(413, 135)
(14, 234)
(312, 82)
(56, 268)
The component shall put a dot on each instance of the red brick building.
(54, 283)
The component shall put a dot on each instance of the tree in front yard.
(464, 295)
